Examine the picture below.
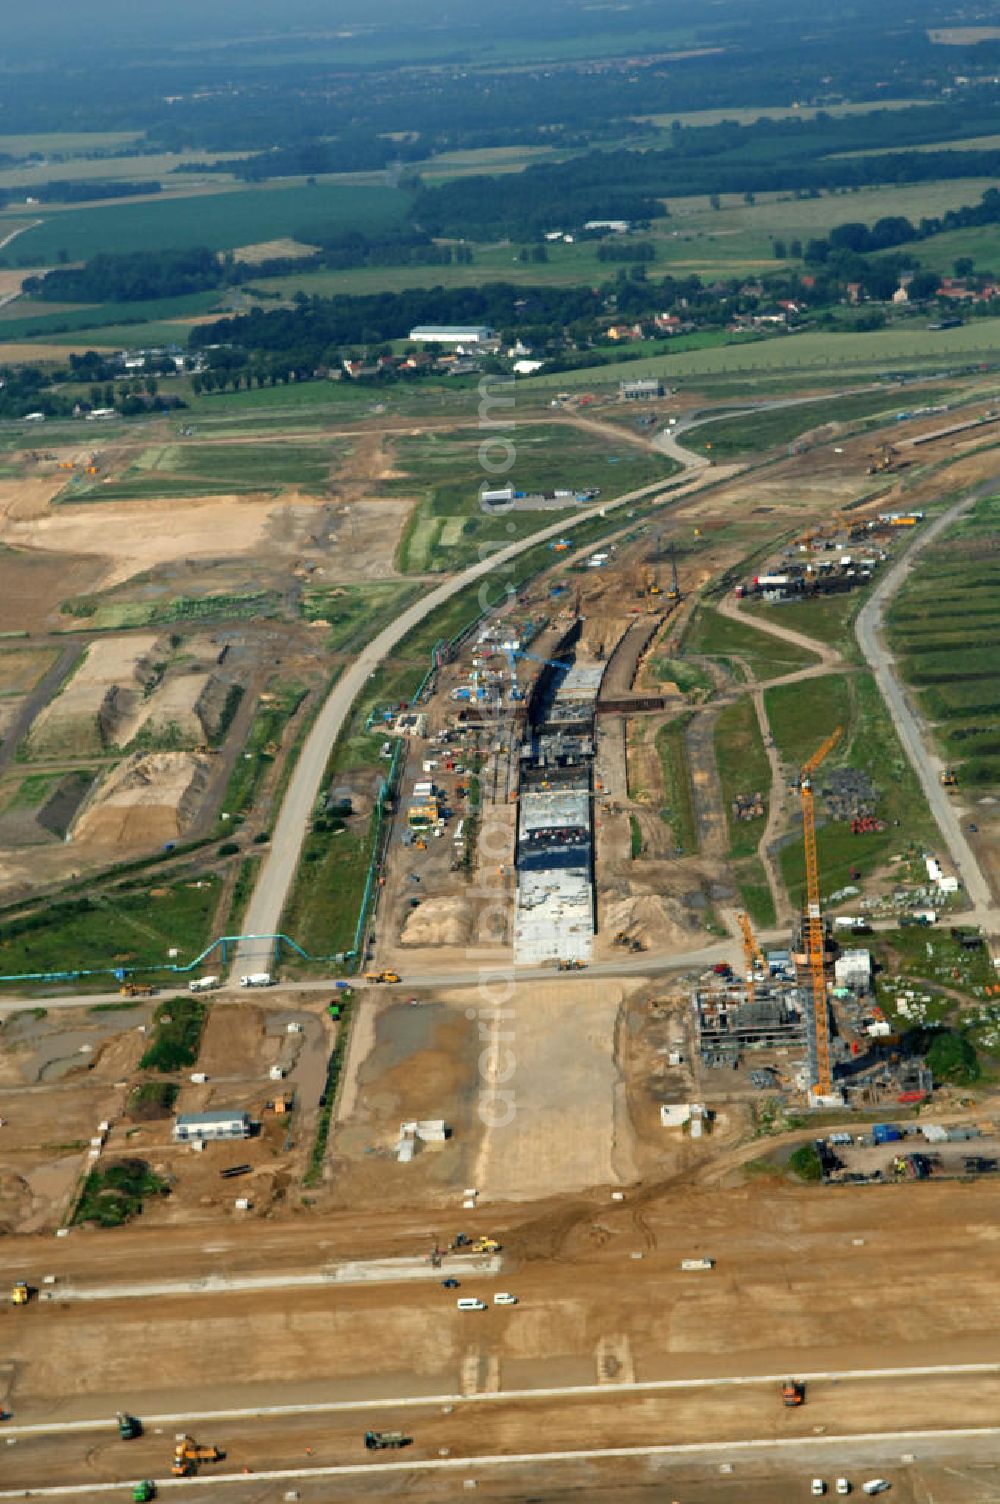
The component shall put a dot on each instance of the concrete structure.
(555, 912)
(643, 389)
(451, 334)
(199, 1127)
(853, 969)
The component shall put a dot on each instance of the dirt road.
(713, 1420)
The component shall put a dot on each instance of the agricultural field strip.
(505, 1396)
(869, 628)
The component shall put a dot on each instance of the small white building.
(451, 334)
(200, 1127)
(676, 1114)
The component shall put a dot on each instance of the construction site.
(646, 917)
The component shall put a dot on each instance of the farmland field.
(878, 351)
(51, 321)
(221, 221)
(945, 626)
(151, 168)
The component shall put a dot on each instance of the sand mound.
(439, 921)
(650, 917)
(108, 683)
(148, 800)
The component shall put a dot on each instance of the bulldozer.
(486, 1245)
(188, 1454)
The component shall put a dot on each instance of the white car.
(876, 1486)
(504, 1298)
(818, 1487)
(843, 1486)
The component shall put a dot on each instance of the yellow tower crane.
(752, 953)
(823, 1085)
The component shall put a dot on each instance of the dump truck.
(129, 1426)
(188, 1453)
(793, 1393)
(381, 1441)
(382, 976)
(948, 777)
(136, 989)
(21, 1293)
(143, 1491)
(573, 965)
(486, 1245)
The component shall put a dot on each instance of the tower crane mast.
(813, 925)
(752, 953)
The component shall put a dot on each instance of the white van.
(468, 1303)
(504, 1298)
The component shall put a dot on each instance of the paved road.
(926, 764)
(264, 911)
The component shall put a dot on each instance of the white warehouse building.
(192, 1127)
(451, 334)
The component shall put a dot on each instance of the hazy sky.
(47, 24)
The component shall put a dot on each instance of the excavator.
(886, 461)
(188, 1454)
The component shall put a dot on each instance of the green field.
(743, 769)
(750, 433)
(116, 927)
(448, 527)
(801, 717)
(221, 221)
(73, 319)
(355, 613)
(981, 242)
(678, 807)
(880, 351)
(266, 731)
(146, 169)
(766, 657)
(205, 469)
(945, 628)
